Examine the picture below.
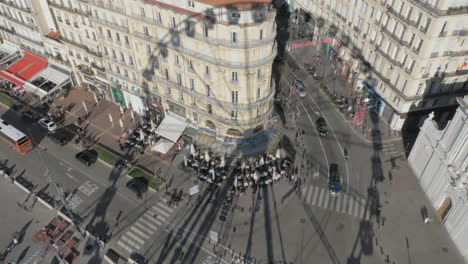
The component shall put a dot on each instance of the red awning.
(11, 78)
(28, 65)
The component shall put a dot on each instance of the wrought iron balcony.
(122, 28)
(15, 5)
(82, 46)
(69, 9)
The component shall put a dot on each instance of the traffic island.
(146, 177)
(105, 155)
(7, 100)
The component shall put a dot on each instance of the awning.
(53, 74)
(163, 146)
(8, 48)
(171, 127)
(28, 65)
(11, 78)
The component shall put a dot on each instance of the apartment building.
(408, 55)
(207, 61)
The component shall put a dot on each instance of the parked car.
(87, 157)
(334, 180)
(47, 124)
(62, 136)
(30, 115)
(299, 87)
(322, 126)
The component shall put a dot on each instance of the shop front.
(137, 103)
(375, 100)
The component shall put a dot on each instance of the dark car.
(17, 106)
(335, 181)
(30, 115)
(62, 136)
(322, 126)
(87, 157)
(137, 186)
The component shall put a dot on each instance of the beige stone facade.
(208, 63)
(412, 53)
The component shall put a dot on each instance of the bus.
(15, 137)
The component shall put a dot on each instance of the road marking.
(304, 192)
(356, 209)
(321, 197)
(144, 228)
(71, 177)
(122, 245)
(135, 237)
(158, 210)
(327, 199)
(363, 210)
(345, 203)
(138, 231)
(164, 206)
(148, 223)
(315, 196)
(312, 190)
(338, 203)
(152, 218)
(130, 242)
(368, 214)
(350, 208)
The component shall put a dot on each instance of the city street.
(277, 223)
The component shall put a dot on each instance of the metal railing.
(463, 32)
(14, 5)
(213, 101)
(82, 46)
(230, 122)
(122, 28)
(69, 9)
(37, 42)
(17, 21)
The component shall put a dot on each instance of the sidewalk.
(331, 78)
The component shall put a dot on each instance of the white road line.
(304, 192)
(159, 211)
(367, 214)
(327, 199)
(363, 210)
(138, 231)
(312, 190)
(164, 206)
(148, 223)
(350, 208)
(147, 230)
(135, 237)
(338, 203)
(129, 242)
(345, 203)
(322, 193)
(122, 245)
(152, 219)
(356, 209)
(316, 193)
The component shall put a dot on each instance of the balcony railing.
(213, 101)
(69, 9)
(122, 28)
(394, 37)
(460, 32)
(119, 61)
(82, 46)
(14, 5)
(37, 42)
(101, 4)
(17, 21)
(437, 12)
(230, 122)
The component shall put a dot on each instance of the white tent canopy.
(171, 127)
(8, 48)
(54, 74)
(163, 146)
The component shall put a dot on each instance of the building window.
(177, 61)
(173, 22)
(191, 4)
(261, 33)
(192, 84)
(181, 96)
(117, 37)
(234, 37)
(169, 92)
(142, 12)
(179, 79)
(234, 97)
(210, 109)
(205, 31)
(210, 11)
(208, 90)
(207, 70)
(259, 74)
(235, 15)
(146, 31)
(234, 115)
(166, 74)
(127, 41)
(109, 35)
(158, 17)
(419, 89)
(148, 50)
(234, 76)
(258, 93)
(190, 65)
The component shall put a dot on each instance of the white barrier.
(22, 187)
(44, 203)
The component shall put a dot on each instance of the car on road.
(17, 106)
(322, 126)
(30, 115)
(47, 124)
(334, 180)
(62, 136)
(87, 157)
(299, 87)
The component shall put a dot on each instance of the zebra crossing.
(344, 204)
(145, 226)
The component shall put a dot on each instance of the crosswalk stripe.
(148, 223)
(321, 196)
(122, 245)
(325, 203)
(363, 208)
(130, 242)
(345, 203)
(159, 211)
(135, 237)
(304, 192)
(315, 196)
(138, 231)
(350, 208)
(313, 189)
(147, 230)
(356, 209)
(167, 208)
(338, 203)
(152, 219)
(367, 216)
